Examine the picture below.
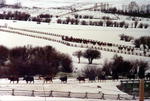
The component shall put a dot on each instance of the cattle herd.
(30, 79)
(49, 79)
(63, 79)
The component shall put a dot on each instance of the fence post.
(99, 93)
(133, 97)
(51, 93)
(102, 96)
(32, 93)
(86, 95)
(13, 92)
(118, 98)
(69, 94)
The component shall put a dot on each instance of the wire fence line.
(51, 93)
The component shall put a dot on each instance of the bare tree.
(78, 54)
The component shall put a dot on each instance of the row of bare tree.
(15, 16)
(106, 23)
(47, 19)
(23, 16)
(135, 13)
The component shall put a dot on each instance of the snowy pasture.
(107, 87)
(105, 34)
(23, 98)
(87, 32)
(101, 34)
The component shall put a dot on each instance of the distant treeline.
(127, 13)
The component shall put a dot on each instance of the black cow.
(48, 79)
(92, 78)
(80, 78)
(148, 76)
(13, 78)
(29, 79)
(63, 79)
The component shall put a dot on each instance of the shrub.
(144, 40)
(90, 71)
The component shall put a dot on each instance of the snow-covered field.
(95, 33)
(88, 32)
(106, 34)
(22, 98)
(102, 34)
(107, 87)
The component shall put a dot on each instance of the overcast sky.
(42, 3)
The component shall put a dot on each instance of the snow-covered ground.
(86, 32)
(106, 34)
(22, 98)
(12, 40)
(107, 87)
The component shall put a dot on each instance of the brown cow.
(80, 78)
(48, 79)
(13, 78)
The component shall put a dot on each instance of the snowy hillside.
(87, 32)
(15, 33)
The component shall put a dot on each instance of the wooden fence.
(85, 95)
